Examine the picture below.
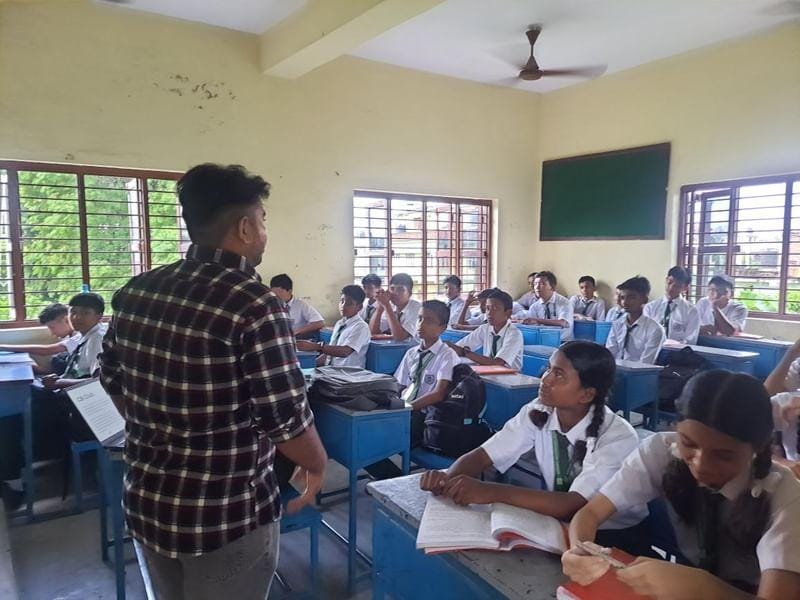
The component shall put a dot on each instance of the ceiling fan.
(532, 72)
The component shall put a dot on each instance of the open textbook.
(446, 526)
(98, 410)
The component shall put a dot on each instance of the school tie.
(708, 512)
(400, 315)
(370, 310)
(70, 370)
(629, 329)
(563, 465)
(665, 320)
(410, 393)
(495, 344)
(547, 310)
(586, 306)
(335, 339)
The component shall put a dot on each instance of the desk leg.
(119, 530)
(351, 531)
(406, 456)
(27, 436)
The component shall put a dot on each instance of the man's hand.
(384, 299)
(312, 482)
(433, 481)
(307, 346)
(50, 382)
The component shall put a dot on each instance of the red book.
(608, 587)
(493, 370)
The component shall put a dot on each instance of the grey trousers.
(241, 570)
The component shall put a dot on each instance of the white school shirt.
(594, 309)
(614, 313)
(88, 349)
(509, 347)
(640, 480)
(526, 299)
(518, 311)
(439, 368)
(735, 312)
(353, 333)
(645, 341)
(684, 320)
(788, 429)
(368, 310)
(455, 307)
(604, 455)
(408, 320)
(302, 313)
(560, 308)
(70, 342)
(792, 382)
(476, 319)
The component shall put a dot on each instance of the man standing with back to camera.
(200, 360)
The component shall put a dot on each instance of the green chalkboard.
(620, 194)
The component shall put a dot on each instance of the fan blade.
(594, 71)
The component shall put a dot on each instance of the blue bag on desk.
(356, 389)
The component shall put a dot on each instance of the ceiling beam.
(325, 30)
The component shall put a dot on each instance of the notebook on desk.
(98, 410)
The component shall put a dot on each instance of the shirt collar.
(344, 321)
(435, 349)
(503, 331)
(735, 486)
(576, 433)
(227, 259)
(94, 330)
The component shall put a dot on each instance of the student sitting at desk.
(719, 315)
(586, 305)
(306, 320)
(397, 312)
(371, 284)
(550, 308)
(783, 384)
(56, 318)
(578, 441)
(736, 515)
(468, 321)
(499, 338)
(636, 337)
(350, 338)
(616, 311)
(454, 301)
(676, 315)
(530, 296)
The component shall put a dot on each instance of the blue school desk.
(719, 358)
(535, 335)
(308, 360)
(356, 439)
(15, 399)
(384, 356)
(636, 385)
(535, 359)
(402, 572)
(770, 352)
(595, 331)
(506, 395)
(325, 334)
(453, 335)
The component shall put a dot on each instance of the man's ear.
(244, 229)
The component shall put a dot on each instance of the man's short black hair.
(549, 275)
(282, 281)
(53, 312)
(438, 308)
(403, 279)
(637, 284)
(355, 293)
(534, 274)
(89, 300)
(484, 294)
(723, 281)
(503, 297)
(680, 274)
(214, 197)
(456, 281)
(588, 278)
(372, 279)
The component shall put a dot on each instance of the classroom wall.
(730, 111)
(100, 85)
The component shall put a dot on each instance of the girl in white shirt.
(736, 515)
(579, 444)
(783, 384)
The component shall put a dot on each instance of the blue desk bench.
(594, 331)
(635, 386)
(535, 335)
(384, 356)
(535, 359)
(453, 335)
(770, 352)
(506, 395)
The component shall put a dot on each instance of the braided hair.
(596, 369)
(738, 406)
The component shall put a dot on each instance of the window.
(427, 237)
(63, 227)
(749, 230)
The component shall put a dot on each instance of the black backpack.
(355, 388)
(452, 426)
(682, 366)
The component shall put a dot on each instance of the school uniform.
(506, 344)
(788, 429)
(640, 341)
(422, 369)
(408, 317)
(302, 313)
(557, 307)
(614, 313)
(368, 310)
(518, 311)
(527, 299)
(640, 481)
(476, 319)
(353, 333)
(735, 312)
(84, 359)
(594, 308)
(455, 307)
(554, 450)
(792, 382)
(678, 317)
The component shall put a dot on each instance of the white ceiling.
(484, 40)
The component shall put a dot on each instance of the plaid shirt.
(201, 355)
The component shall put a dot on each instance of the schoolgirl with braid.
(579, 444)
(735, 513)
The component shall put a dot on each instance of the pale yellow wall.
(731, 111)
(95, 85)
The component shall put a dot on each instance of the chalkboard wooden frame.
(656, 205)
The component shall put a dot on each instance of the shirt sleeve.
(512, 348)
(403, 374)
(355, 338)
(446, 365)
(410, 318)
(600, 309)
(311, 314)
(738, 316)
(564, 311)
(512, 441)
(792, 381)
(573, 304)
(472, 341)
(71, 342)
(649, 310)
(779, 546)
(653, 344)
(639, 479)
(612, 343)
(92, 350)
(270, 367)
(692, 325)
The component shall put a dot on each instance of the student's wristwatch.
(466, 350)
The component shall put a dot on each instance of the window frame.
(684, 242)
(12, 167)
(457, 256)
